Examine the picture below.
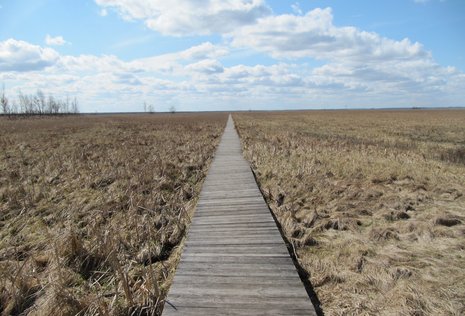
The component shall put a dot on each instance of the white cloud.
(173, 61)
(359, 65)
(21, 56)
(90, 64)
(196, 78)
(314, 35)
(204, 50)
(187, 17)
(126, 78)
(207, 66)
(55, 41)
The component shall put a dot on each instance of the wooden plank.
(245, 228)
(235, 261)
(225, 301)
(229, 225)
(251, 273)
(225, 212)
(220, 259)
(234, 266)
(228, 201)
(234, 311)
(244, 250)
(237, 281)
(251, 290)
(232, 219)
(234, 239)
(256, 207)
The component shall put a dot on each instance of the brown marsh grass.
(373, 202)
(93, 210)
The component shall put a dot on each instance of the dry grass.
(93, 210)
(373, 202)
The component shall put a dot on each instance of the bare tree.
(150, 108)
(42, 102)
(13, 107)
(4, 102)
(65, 106)
(53, 106)
(74, 106)
(172, 109)
(25, 103)
(37, 104)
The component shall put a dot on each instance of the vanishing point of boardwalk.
(235, 261)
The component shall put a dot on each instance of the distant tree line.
(37, 104)
(148, 108)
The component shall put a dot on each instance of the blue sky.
(114, 55)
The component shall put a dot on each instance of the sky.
(203, 55)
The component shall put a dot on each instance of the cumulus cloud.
(186, 17)
(92, 63)
(172, 62)
(314, 35)
(198, 78)
(22, 56)
(356, 60)
(54, 41)
(204, 50)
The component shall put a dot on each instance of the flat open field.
(373, 202)
(92, 209)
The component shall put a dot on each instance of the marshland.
(372, 201)
(95, 209)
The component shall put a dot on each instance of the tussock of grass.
(93, 210)
(373, 202)
(454, 155)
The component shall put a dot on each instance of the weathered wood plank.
(234, 266)
(240, 292)
(235, 261)
(231, 219)
(233, 228)
(225, 301)
(235, 239)
(220, 259)
(235, 225)
(239, 281)
(224, 206)
(238, 250)
(235, 311)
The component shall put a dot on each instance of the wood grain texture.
(235, 261)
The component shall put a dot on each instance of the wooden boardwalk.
(235, 261)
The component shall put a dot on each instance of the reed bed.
(94, 209)
(372, 201)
